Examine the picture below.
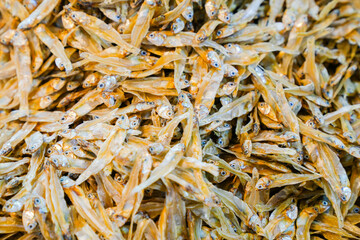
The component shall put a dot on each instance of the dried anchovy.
(179, 119)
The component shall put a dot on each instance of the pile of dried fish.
(179, 119)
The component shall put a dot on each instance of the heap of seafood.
(179, 119)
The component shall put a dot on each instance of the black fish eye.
(218, 33)
(356, 210)
(151, 35)
(223, 173)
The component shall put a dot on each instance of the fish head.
(200, 36)
(108, 98)
(123, 122)
(292, 212)
(213, 58)
(188, 14)
(323, 206)
(224, 32)
(69, 117)
(263, 183)
(229, 87)
(59, 160)
(78, 17)
(345, 194)
(134, 122)
(156, 38)
(177, 26)
(68, 133)
(211, 8)
(66, 182)
(165, 111)
(224, 14)
(45, 101)
(29, 220)
(13, 205)
(230, 71)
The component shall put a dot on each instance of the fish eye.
(169, 113)
(75, 148)
(151, 103)
(260, 187)
(62, 119)
(118, 16)
(122, 117)
(218, 33)
(49, 151)
(291, 104)
(151, 35)
(343, 198)
(226, 125)
(66, 152)
(48, 98)
(229, 45)
(73, 16)
(213, 13)
(143, 53)
(232, 74)
(316, 209)
(32, 147)
(31, 226)
(223, 173)
(190, 15)
(227, 18)
(37, 201)
(101, 85)
(216, 65)
(151, 149)
(232, 165)
(174, 27)
(186, 82)
(325, 203)
(231, 84)
(221, 142)
(356, 210)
